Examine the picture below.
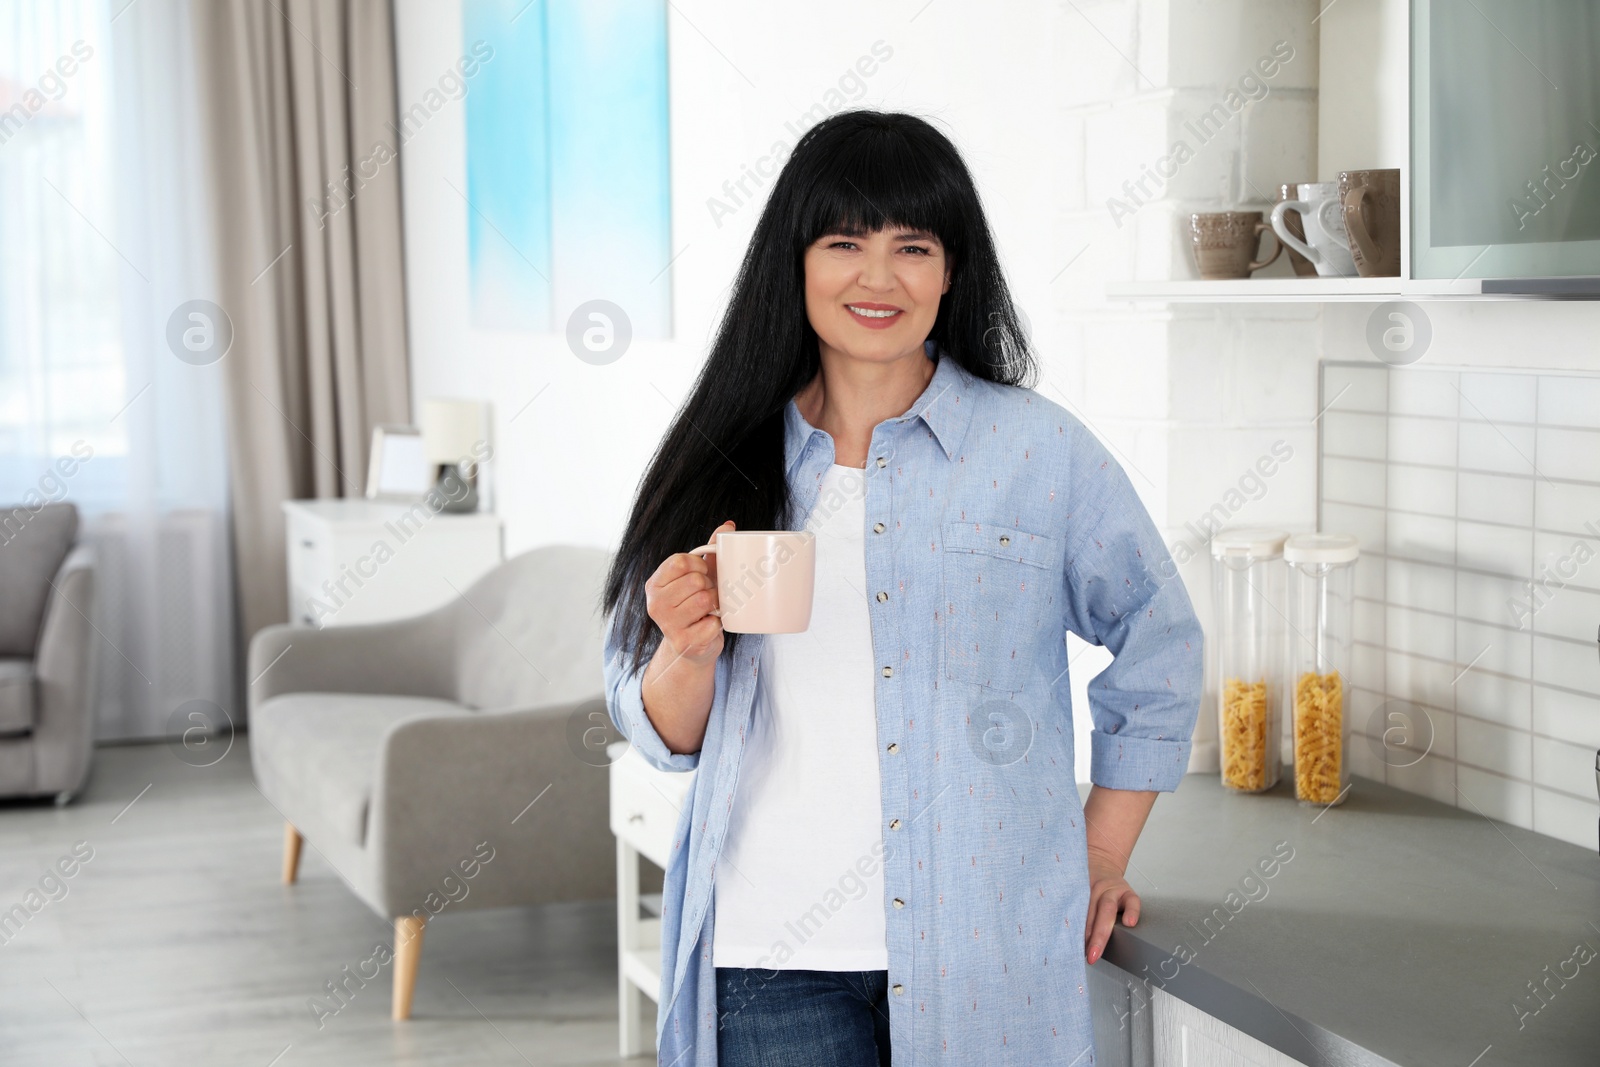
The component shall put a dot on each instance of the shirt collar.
(945, 407)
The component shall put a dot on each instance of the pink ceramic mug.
(765, 579)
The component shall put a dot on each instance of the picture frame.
(397, 468)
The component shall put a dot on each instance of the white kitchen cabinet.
(1136, 1025)
(645, 803)
(1123, 1023)
(1185, 1036)
(356, 560)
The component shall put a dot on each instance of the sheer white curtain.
(102, 238)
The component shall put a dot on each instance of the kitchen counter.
(1398, 930)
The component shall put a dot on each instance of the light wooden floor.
(177, 944)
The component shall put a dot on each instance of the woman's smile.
(875, 316)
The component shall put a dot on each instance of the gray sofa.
(47, 653)
(431, 760)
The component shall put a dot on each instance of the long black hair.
(859, 171)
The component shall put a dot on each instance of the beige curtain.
(299, 101)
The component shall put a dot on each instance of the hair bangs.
(879, 180)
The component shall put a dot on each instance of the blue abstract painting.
(567, 163)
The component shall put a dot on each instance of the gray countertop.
(1400, 931)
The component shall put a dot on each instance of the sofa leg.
(407, 951)
(291, 853)
(64, 798)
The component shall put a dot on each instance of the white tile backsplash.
(1499, 398)
(1573, 717)
(1365, 523)
(1420, 392)
(1567, 401)
(1426, 681)
(1422, 633)
(1506, 550)
(1565, 817)
(1424, 490)
(1572, 612)
(1564, 560)
(1497, 447)
(1360, 436)
(1495, 498)
(1488, 599)
(1425, 441)
(1493, 648)
(1497, 796)
(1494, 748)
(1495, 698)
(1354, 481)
(1566, 664)
(1427, 538)
(1346, 388)
(1571, 455)
(1567, 507)
(1558, 765)
(1476, 495)
(1423, 586)
(1433, 776)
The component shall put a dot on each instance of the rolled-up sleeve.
(1123, 591)
(625, 704)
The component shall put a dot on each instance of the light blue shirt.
(995, 523)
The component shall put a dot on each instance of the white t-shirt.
(800, 880)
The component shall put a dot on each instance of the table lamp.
(451, 431)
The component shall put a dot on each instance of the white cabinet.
(1185, 1036)
(645, 804)
(1139, 1025)
(356, 560)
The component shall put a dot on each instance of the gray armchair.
(428, 759)
(47, 653)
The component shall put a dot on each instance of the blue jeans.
(798, 1018)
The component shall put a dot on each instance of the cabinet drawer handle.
(307, 543)
(637, 816)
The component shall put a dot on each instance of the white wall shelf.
(1308, 290)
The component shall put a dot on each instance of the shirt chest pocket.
(999, 589)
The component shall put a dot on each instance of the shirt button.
(877, 527)
(1004, 541)
(888, 672)
(882, 462)
(882, 596)
(899, 989)
(899, 903)
(894, 824)
(893, 747)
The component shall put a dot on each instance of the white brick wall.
(1189, 397)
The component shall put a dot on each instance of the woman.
(885, 844)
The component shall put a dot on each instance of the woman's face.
(851, 280)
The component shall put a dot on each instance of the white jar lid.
(1321, 548)
(1254, 542)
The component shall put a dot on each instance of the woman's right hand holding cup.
(679, 598)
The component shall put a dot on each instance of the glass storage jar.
(1247, 586)
(1321, 570)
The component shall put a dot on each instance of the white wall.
(740, 76)
(1055, 105)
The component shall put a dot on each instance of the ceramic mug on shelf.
(1225, 243)
(1371, 203)
(765, 579)
(1303, 267)
(1326, 244)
